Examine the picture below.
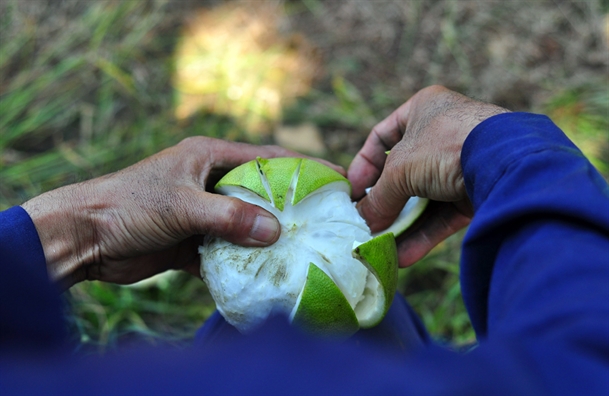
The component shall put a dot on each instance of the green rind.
(323, 309)
(246, 176)
(279, 173)
(313, 176)
(380, 256)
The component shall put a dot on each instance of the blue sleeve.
(30, 307)
(535, 261)
(535, 277)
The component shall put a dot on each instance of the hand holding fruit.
(150, 217)
(425, 136)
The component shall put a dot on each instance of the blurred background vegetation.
(89, 87)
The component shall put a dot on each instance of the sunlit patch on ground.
(235, 60)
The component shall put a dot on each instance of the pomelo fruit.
(326, 272)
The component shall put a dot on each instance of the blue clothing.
(534, 274)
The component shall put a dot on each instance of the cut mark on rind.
(265, 182)
(289, 196)
(314, 176)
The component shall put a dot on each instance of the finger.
(194, 268)
(227, 155)
(224, 155)
(277, 151)
(368, 163)
(440, 220)
(384, 202)
(231, 219)
(389, 195)
(129, 270)
(192, 264)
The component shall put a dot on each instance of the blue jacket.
(534, 274)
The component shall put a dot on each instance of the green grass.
(92, 93)
(582, 113)
(105, 315)
(91, 98)
(432, 287)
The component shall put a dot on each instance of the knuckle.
(436, 88)
(234, 216)
(196, 142)
(395, 166)
(377, 204)
(272, 147)
(376, 130)
(189, 141)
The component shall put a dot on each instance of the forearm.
(30, 308)
(63, 218)
(535, 259)
(537, 175)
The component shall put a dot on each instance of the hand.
(425, 136)
(150, 217)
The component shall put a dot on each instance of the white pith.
(323, 228)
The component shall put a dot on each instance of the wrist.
(65, 228)
(503, 141)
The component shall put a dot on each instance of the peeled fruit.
(326, 271)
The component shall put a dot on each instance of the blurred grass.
(86, 89)
(106, 315)
(432, 287)
(87, 98)
(583, 114)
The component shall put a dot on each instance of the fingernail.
(265, 228)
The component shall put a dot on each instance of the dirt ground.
(516, 54)
(512, 53)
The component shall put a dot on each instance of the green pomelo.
(326, 270)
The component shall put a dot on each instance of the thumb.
(236, 221)
(384, 201)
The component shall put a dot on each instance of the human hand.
(150, 217)
(425, 136)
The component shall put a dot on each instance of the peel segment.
(314, 175)
(246, 176)
(314, 314)
(380, 256)
(277, 174)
